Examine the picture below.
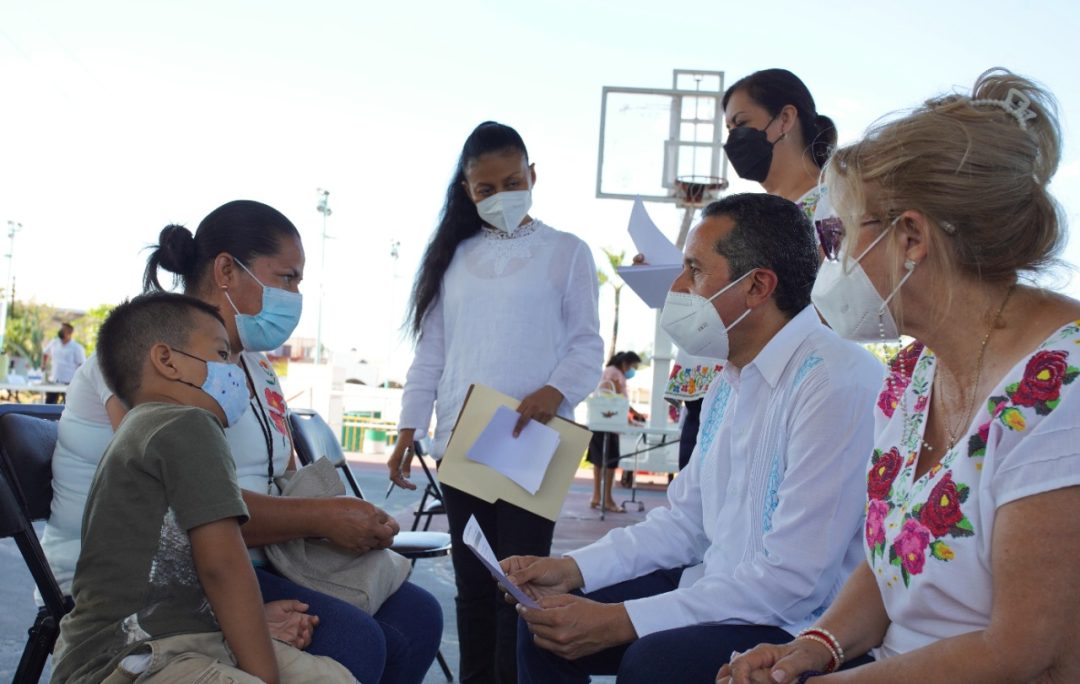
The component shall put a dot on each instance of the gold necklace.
(955, 434)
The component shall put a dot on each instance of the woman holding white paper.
(502, 300)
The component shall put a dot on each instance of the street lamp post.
(9, 284)
(323, 208)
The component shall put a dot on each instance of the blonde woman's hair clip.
(1017, 104)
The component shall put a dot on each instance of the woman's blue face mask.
(275, 322)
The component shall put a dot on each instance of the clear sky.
(119, 117)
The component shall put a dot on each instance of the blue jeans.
(687, 654)
(395, 646)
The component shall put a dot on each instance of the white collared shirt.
(768, 514)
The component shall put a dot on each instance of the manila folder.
(490, 485)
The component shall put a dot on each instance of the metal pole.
(324, 209)
(13, 227)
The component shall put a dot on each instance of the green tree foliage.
(87, 326)
(30, 326)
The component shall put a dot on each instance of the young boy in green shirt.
(164, 589)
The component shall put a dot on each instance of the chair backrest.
(26, 444)
(314, 438)
(26, 448)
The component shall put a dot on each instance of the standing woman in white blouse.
(503, 300)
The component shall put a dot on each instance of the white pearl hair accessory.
(1015, 103)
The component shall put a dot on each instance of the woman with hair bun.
(246, 258)
(972, 535)
(776, 136)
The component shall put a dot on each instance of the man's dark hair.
(126, 336)
(774, 233)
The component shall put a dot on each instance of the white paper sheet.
(651, 283)
(523, 459)
(476, 541)
(658, 250)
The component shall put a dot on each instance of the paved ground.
(577, 525)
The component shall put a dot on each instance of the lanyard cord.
(264, 425)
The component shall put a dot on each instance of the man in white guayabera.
(764, 524)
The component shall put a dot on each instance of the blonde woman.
(972, 535)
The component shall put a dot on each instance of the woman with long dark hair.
(503, 300)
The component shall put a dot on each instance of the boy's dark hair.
(126, 336)
(774, 233)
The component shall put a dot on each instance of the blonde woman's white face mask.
(849, 302)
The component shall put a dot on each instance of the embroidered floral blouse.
(927, 540)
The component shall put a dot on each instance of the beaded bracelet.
(833, 660)
(830, 641)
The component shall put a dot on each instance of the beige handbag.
(364, 580)
(607, 409)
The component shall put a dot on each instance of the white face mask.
(849, 302)
(694, 324)
(505, 210)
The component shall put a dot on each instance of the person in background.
(163, 591)
(63, 356)
(776, 137)
(246, 259)
(620, 368)
(506, 301)
(686, 388)
(972, 535)
(763, 525)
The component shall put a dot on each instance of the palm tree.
(615, 260)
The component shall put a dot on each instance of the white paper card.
(476, 541)
(651, 283)
(658, 250)
(523, 459)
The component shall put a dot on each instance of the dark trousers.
(396, 645)
(487, 625)
(687, 655)
(688, 438)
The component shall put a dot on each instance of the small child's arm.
(225, 571)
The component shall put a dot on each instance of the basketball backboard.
(650, 137)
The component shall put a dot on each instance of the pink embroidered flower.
(889, 398)
(875, 523)
(920, 403)
(984, 431)
(910, 546)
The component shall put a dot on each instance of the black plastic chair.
(313, 438)
(431, 502)
(26, 449)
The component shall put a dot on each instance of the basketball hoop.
(697, 191)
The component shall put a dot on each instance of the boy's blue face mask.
(275, 322)
(226, 384)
